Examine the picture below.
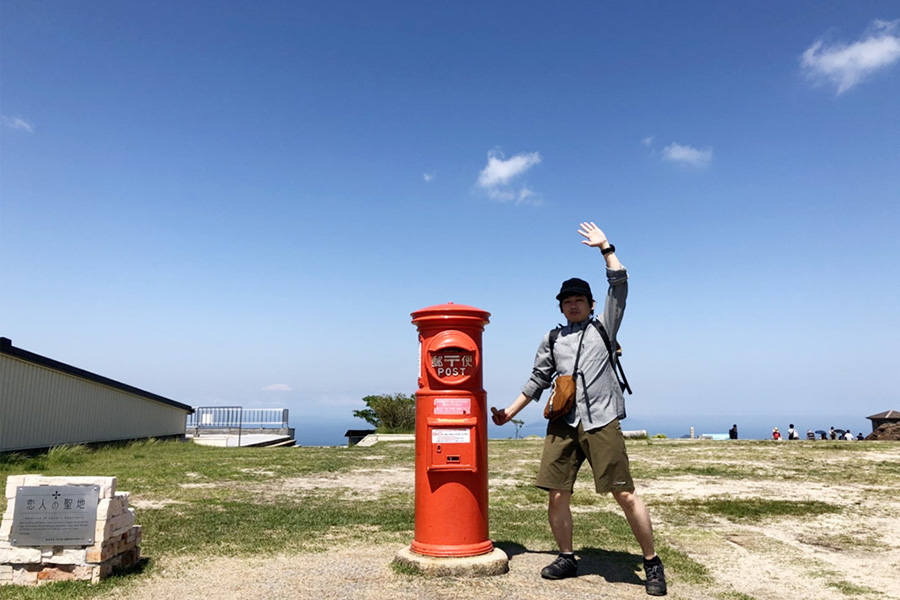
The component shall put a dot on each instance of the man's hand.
(505, 415)
(595, 236)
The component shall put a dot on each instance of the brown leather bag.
(562, 398)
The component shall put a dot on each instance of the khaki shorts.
(565, 449)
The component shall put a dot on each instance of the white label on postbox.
(451, 436)
(452, 406)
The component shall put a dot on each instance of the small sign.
(450, 436)
(55, 515)
(452, 406)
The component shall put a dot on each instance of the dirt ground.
(851, 554)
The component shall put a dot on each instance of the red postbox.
(451, 434)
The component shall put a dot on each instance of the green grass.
(704, 470)
(851, 589)
(735, 596)
(756, 509)
(406, 570)
(66, 590)
(240, 528)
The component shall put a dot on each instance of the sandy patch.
(365, 573)
(262, 472)
(152, 504)
(199, 486)
(701, 487)
(370, 482)
(853, 553)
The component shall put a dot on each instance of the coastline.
(750, 427)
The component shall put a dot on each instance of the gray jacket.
(598, 397)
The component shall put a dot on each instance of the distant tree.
(389, 413)
(518, 423)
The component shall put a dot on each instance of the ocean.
(323, 432)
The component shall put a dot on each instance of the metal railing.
(237, 417)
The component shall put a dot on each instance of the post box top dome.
(450, 311)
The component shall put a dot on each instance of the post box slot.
(452, 358)
(451, 422)
(452, 459)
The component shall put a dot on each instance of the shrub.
(389, 413)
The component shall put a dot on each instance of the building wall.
(41, 407)
(876, 423)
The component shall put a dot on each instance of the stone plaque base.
(116, 538)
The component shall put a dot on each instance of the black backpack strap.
(554, 333)
(613, 356)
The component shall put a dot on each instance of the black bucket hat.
(575, 287)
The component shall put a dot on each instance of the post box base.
(451, 550)
(485, 565)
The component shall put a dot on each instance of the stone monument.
(65, 528)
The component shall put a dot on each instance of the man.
(591, 429)
(732, 433)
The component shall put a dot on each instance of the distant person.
(848, 436)
(792, 433)
(860, 436)
(832, 434)
(732, 433)
(824, 436)
(776, 435)
(591, 429)
(810, 435)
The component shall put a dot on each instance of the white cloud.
(497, 177)
(427, 176)
(17, 123)
(500, 172)
(278, 387)
(524, 195)
(647, 141)
(501, 195)
(687, 155)
(846, 65)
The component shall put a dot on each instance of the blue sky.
(241, 203)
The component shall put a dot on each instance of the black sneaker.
(561, 568)
(656, 579)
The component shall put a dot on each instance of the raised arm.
(595, 238)
(614, 305)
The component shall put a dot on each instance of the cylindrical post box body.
(451, 433)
